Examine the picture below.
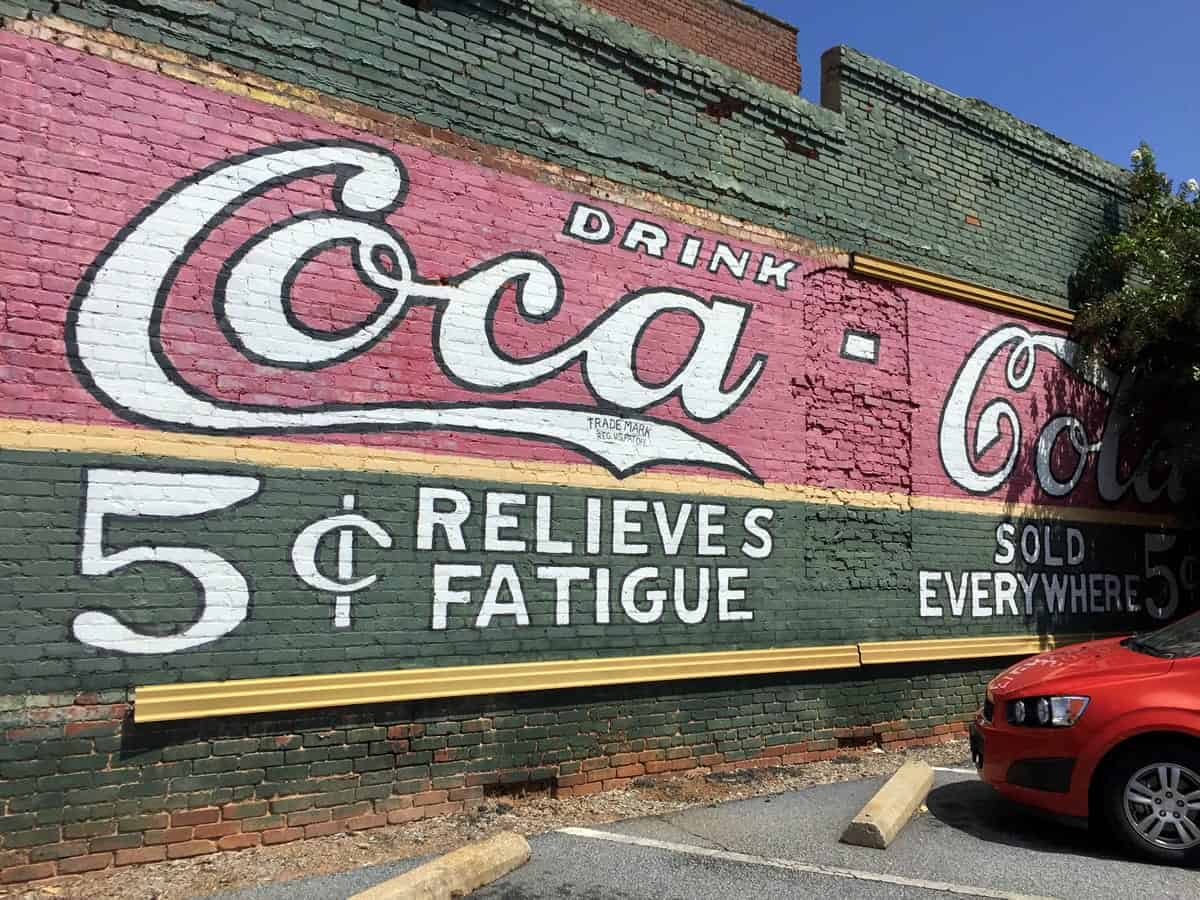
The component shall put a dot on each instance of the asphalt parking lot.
(969, 843)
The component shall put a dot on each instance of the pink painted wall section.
(593, 351)
(1010, 412)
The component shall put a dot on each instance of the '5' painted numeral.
(224, 592)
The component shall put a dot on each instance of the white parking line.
(955, 771)
(793, 866)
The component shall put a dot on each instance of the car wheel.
(1152, 802)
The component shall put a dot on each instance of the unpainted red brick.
(140, 855)
(239, 841)
(190, 848)
(89, 863)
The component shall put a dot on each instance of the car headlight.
(1047, 712)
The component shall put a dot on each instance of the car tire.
(1150, 819)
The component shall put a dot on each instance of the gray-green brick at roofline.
(890, 165)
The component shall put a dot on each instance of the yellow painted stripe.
(1002, 509)
(161, 703)
(36, 435)
(948, 286)
(964, 648)
(57, 437)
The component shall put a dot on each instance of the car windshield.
(1180, 638)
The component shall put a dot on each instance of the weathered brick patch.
(83, 788)
(733, 33)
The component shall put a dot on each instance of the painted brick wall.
(737, 35)
(665, 443)
(300, 382)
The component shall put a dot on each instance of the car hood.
(1077, 664)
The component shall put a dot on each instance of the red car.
(1108, 730)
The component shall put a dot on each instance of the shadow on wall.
(1089, 437)
(802, 705)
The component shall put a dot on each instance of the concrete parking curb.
(457, 873)
(878, 823)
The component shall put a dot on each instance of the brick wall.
(794, 493)
(730, 32)
(86, 790)
(390, 341)
(902, 172)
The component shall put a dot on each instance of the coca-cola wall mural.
(280, 397)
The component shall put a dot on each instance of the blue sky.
(1101, 74)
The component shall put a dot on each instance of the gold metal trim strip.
(948, 286)
(163, 703)
(933, 649)
(172, 702)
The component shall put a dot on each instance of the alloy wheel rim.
(1162, 803)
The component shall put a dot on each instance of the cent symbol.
(304, 556)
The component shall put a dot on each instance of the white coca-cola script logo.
(114, 327)
(962, 458)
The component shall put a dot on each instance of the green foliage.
(1138, 291)
(1137, 294)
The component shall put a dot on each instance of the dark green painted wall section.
(833, 575)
